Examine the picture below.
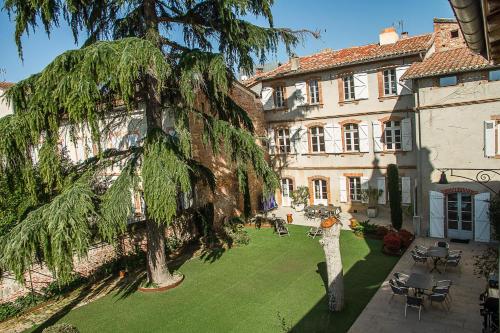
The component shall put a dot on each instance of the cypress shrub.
(394, 196)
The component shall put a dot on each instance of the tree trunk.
(158, 272)
(331, 246)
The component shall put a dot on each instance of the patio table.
(437, 253)
(420, 282)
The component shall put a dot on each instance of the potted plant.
(300, 198)
(371, 196)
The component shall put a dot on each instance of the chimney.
(295, 63)
(404, 35)
(388, 36)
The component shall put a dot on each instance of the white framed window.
(392, 135)
(355, 188)
(320, 189)
(279, 96)
(349, 93)
(446, 81)
(351, 137)
(317, 139)
(314, 91)
(284, 141)
(390, 84)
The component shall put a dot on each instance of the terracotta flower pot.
(122, 273)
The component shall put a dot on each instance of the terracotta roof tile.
(336, 58)
(5, 85)
(446, 62)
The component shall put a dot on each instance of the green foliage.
(300, 196)
(486, 262)
(394, 196)
(495, 215)
(21, 304)
(61, 328)
(371, 195)
(235, 232)
(130, 57)
(365, 228)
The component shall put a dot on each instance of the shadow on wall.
(359, 287)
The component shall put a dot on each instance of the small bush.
(11, 309)
(365, 228)
(235, 232)
(61, 328)
(392, 242)
(406, 238)
(382, 231)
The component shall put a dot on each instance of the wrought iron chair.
(418, 258)
(452, 262)
(397, 290)
(414, 302)
(315, 231)
(439, 298)
(401, 278)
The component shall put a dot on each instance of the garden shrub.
(382, 231)
(394, 196)
(11, 309)
(392, 242)
(364, 228)
(61, 328)
(406, 238)
(300, 196)
(235, 232)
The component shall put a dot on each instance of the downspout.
(470, 19)
(420, 187)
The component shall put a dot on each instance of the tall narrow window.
(349, 88)
(279, 96)
(355, 188)
(314, 91)
(320, 189)
(351, 137)
(390, 87)
(284, 140)
(317, 139)
(392, 135)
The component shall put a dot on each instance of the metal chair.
(280, 227)
(439, 298)
(401, 278)
(451, 262)
(418, 258)
(414, 302)
(397, 290)
(443, 244)
(315, 231)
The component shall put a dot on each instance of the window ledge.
(383, 98)
(283, 108)
(351, 153)
(393, 152)
(317, 154)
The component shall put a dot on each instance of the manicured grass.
(246, 288)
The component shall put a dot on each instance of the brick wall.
(444, 31)
(228, 200)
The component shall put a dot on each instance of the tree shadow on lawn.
(361, 282)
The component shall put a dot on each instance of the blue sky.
(342, 24)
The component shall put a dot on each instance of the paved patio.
(383, 315)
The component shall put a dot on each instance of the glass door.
(320, 192)
(286, 191)
(459, 214)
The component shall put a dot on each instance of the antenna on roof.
(399, 25)
(3, 72)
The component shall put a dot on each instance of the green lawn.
(246, 288)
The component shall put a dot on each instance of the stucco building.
(338, 118)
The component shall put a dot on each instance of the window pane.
(452, 224)
(494, 75)
(447, 81)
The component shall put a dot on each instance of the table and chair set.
(415, 287)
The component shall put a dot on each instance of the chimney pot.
(295, 63)
(388, 36)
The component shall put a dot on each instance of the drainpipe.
(470, 19)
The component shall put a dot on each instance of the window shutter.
(402, 86)
(267, 98)
(406, 134)
(436, 214)
(300, 94)
(364, 186)
(271, 143)
(360, 85)
(380, 83)
(481, 217)
(329, 138)
(343, 188)
(406, 190)
(340, 86)
(304, 142)
(337, 139)
(489, 138)
(295, 139)
(364, 145)
(381, 186)
(378, 145)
